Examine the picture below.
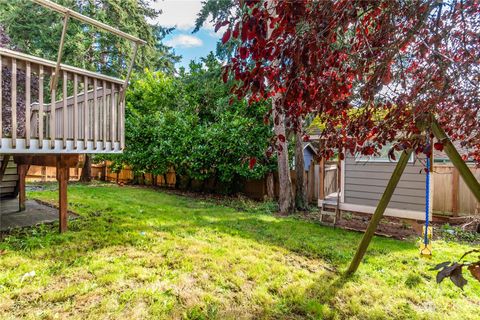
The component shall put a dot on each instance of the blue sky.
(181, 14)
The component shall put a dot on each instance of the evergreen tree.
(36, 30)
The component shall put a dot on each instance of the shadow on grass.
(124, 218)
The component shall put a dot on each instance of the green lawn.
(138, 253)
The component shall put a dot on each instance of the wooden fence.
(257, 188)
(451, 195)
(126, 175)
(43, 174)
(331, 179)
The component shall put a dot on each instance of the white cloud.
(184, 41)
(179, 13)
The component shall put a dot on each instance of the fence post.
(44, 174)
(321, 185)
(104, 171)
(455, 189)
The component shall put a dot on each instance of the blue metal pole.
(427, 202)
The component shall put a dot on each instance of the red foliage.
(438, 146)
(402, 60)
(252, 163)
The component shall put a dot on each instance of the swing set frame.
(457, 161)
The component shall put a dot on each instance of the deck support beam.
(62, 178)
(4, 165)
(379, 211)
(22, 173)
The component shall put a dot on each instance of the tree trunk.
(285, 195)
(86, 170)
(270, 186)
(286, 203)
(136, 178)
(301, 201)
(177, 181)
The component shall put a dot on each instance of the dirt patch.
(389, 226)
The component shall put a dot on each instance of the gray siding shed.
(365, 182)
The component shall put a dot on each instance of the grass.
(138, 253)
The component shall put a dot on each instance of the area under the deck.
(35, 213)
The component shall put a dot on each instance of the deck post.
(22, 173)
(457, 160)
(62, 178)
(379, 211)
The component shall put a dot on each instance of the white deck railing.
(87, 117)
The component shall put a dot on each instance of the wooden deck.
(87, 114)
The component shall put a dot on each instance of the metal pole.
(54, 82)
(61, 9)
(129, 72)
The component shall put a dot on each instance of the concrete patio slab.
(35, 213)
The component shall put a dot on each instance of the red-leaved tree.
(375, 71)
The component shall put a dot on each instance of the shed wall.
(365, 182)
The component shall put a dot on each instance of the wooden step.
(6, 184)
(328, 213)
(9, 177)
(10, 171)
(7, 190)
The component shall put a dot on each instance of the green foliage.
(457, 233)
(217, 10)
(155, 125)
(188, 123)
